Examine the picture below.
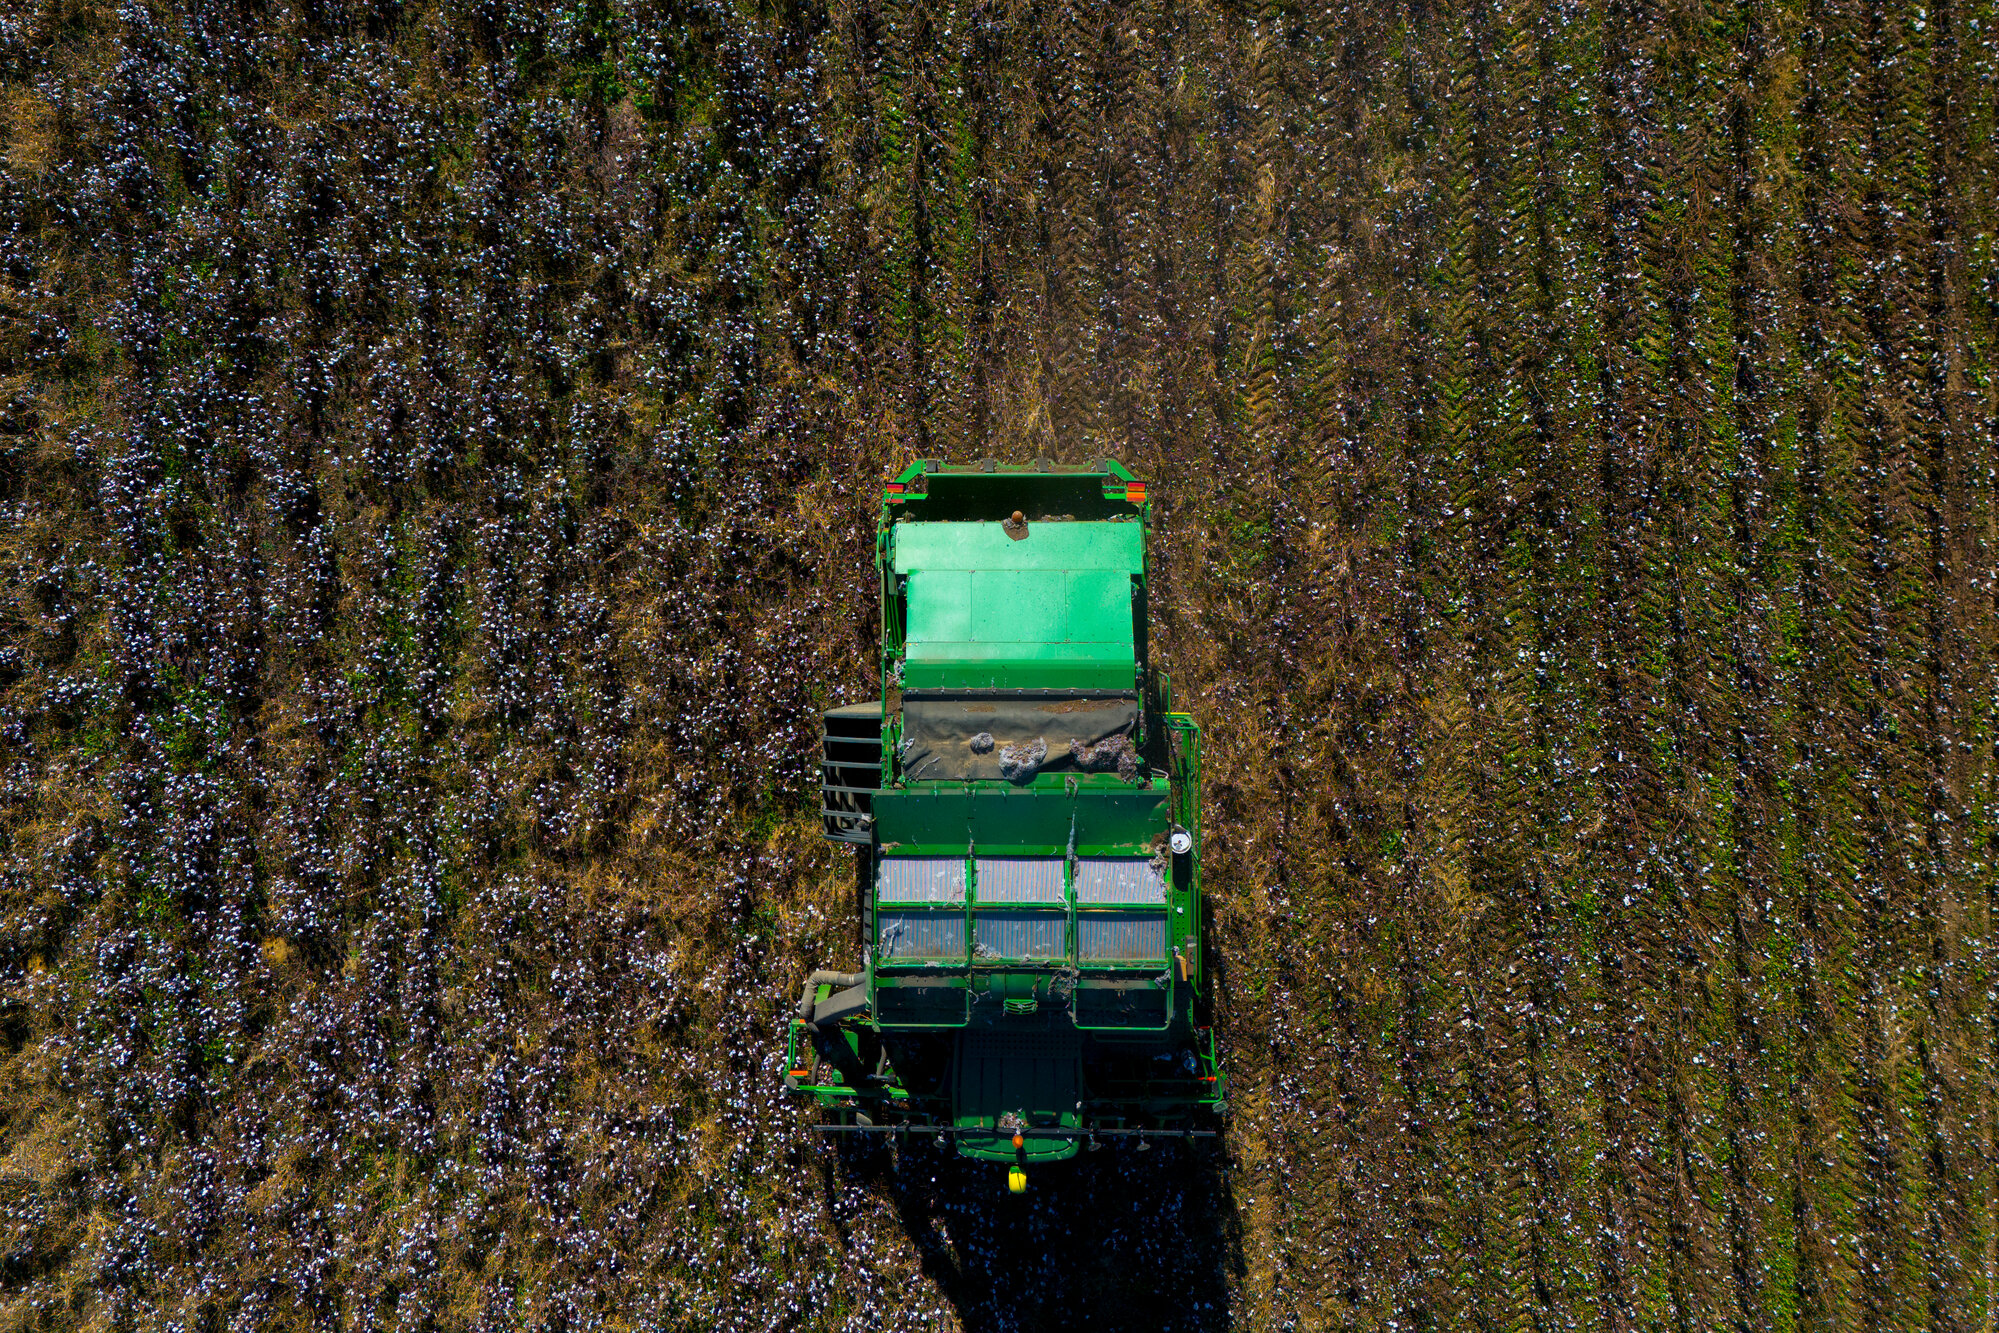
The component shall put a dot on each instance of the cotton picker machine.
(1024, 805)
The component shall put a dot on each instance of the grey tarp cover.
(945, 736)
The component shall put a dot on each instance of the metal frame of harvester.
(1024, 805)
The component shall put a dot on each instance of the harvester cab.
(1024, 805)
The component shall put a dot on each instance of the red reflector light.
(893, 488)
(1134, 491)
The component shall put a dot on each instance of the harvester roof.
(1049, 607)
(1017, 579)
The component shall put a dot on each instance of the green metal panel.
(940, 606)
(921, 1001)
(1100, 604)
(987, 611)
(1101, 545)
(1053, 666)
(1035, 1075)
(997, 817)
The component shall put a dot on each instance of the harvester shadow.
(1114, 1239)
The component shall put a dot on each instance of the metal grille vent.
(921, 879)
(907, 936)
(1019, 935)
(1102, 879)
(1121, 938)
(1020, 879)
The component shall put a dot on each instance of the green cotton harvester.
(1024, 805)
